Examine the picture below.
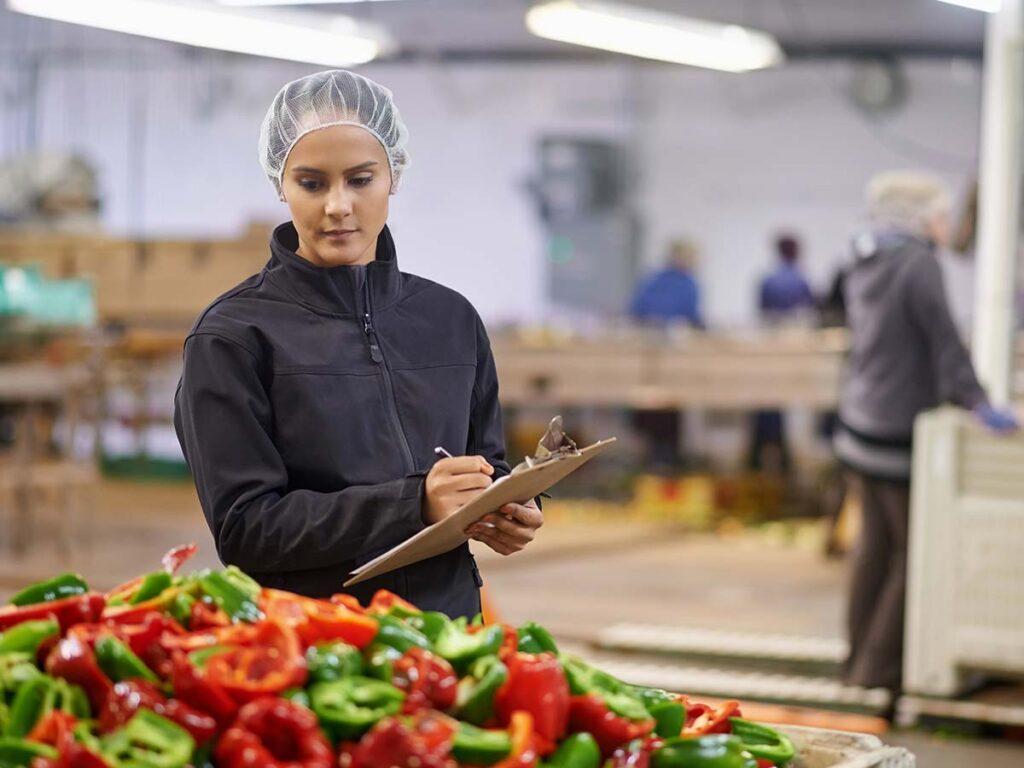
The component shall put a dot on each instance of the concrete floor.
(578, 577)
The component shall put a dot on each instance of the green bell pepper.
(19, 753)
(349, 707)
(621, 699)
(15, 670)
(119, 662)
(148, 741)
(233, 593)
(717, 751)
(668, 712)
(28, 636)
(477, 746)
(533, 638)
(181, 608)
(428, 623)
(151, 586)
(763, 742)
(333, 661)
(474, 698)
(40, 696)
(460, 648)
(57, 588)
(380, 661)
(579, 750)
(399, 634)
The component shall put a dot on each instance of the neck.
(310, 254)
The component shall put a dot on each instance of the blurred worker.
(906, 357)
(784, 295)
(671, 295)
(785, 291)
(668, 297)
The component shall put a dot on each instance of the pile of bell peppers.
(210, 669)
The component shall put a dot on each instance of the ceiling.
(495, 29)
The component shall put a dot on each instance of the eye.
(361, 181)
(310, 185)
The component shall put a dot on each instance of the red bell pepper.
(425, 741)
(203, 615)
(384, 601)
(57, 730)
(590, 713)
(522, 730)
(636, 754)
(349, 601)
(702, 719)
(192, 687)
(428, 681)
(536, 684)
(129, 696)
(274, 733)
(73, 660)
(235, 635)
(177, 557)
(68, 612)
(318, 621)
(274, 663)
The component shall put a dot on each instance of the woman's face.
(336, 182)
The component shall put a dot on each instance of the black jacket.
(308, 409)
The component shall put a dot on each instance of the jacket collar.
(338, 290)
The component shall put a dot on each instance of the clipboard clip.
(554, 445)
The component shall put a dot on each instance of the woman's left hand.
(510, 529)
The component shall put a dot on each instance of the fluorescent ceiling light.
(293, 2)
(988, 6)
(654, 35)
(333, 41)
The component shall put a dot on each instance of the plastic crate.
(966, 558)
(821, 748)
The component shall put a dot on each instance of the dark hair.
(788, 248)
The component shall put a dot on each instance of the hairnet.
(906, 199)
(333, 97)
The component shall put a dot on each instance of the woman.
(906, 357)
(313, 393)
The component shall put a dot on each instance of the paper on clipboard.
(448, 534)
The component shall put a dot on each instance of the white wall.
(725, 159)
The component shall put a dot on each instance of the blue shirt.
(668, 295)
(785, 290)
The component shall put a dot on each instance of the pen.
(440, 451)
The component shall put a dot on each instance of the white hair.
(907, 200)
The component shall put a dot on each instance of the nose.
(339, 202)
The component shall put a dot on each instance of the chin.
(341, 255)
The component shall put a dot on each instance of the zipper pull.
(371, 336)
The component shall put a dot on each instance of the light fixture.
(328, 40)
(295, 2)
(988, 6)
(654, 35)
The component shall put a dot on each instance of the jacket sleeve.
(224, 423)
(486, 433)
(954, 374)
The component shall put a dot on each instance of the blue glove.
(996, 419)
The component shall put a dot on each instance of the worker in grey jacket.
(906, 357)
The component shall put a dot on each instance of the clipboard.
(448, 534)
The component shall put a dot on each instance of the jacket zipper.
(377, 355)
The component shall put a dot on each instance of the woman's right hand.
(452, 483)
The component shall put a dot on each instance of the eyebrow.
(353, 169)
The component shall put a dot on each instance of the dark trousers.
(879, 585)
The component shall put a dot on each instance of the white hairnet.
(906, 199)
(334, 97)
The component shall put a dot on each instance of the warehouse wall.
(723, 158)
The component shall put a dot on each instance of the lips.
(338, 232)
